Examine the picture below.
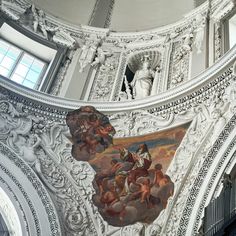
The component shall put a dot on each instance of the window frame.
(52, 69)
(225, 30)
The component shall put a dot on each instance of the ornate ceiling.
(122, 15)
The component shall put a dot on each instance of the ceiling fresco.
(131, 184)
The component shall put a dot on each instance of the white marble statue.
(39, 21)
(199, 32)
(88, 52)
(142, 81)
(101, 56)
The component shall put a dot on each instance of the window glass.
(4, 71)
(13, 53)
(21, 70)
(17, 78)
(7, 62)
(32, 76)
(27, 60)
(3, 47)
(28, 84)
(20, 66)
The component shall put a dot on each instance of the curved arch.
(9, 216)
(192, 87)
(32, 203)
(212, 169)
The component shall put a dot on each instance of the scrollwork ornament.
(74, 219)
(104, 79)
(139, 122)
(41, 150)
(82, 174)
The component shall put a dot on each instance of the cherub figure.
(144, 191)
(110, 196)
(88, 51)
(100, 57)
(39, 21)
(27, 148)
(158, 174)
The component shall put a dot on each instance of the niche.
(140, 79)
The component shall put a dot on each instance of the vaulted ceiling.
(73, 11)
(123, 15)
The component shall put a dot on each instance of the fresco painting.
(91, 132)
(130, 182)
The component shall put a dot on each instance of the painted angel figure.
(100, 57)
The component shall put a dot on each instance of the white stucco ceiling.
(127, 15)
(73, 11)
(135, 15)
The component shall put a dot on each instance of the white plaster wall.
(74, 81)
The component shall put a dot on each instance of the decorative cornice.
(81, 30)
(195, 89)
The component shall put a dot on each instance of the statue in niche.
(142, 82)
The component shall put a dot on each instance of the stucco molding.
(8, 210)
(70, 181)
(218, 75)
(80, 30)
(48, 209)
(222, 160)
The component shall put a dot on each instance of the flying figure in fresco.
(91, 132)
(130, 185)
(144, 191)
